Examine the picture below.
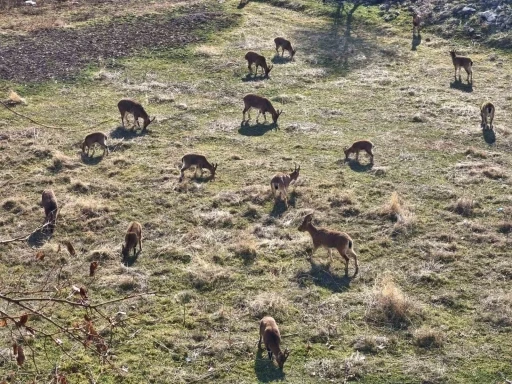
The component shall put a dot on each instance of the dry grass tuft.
(389, 305)
(245, 250)
(474, 152)
(352, 368)
(426, 337)
(396, 210)
(205, 276)
(463, 206)
(217, 219)
(270, 304)
(14, 205)
(494, 173)
(61, 162)
(497, 309)
(370, 344)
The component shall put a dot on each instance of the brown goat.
(280, 182)
(136, 109)
(327, 238)
(416, 21)
(269, 333)
(51, 208)
(254, 58)
(90, 140)
(363, 145)
(199, 161)
(285, 45)
(262, 104)
(132, 237)
(487, 111)
(461, 61)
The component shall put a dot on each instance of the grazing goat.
(132, 237)
(51, 208)
(363, 145)
(90, 140)
(285, 45)
(199, 161)
(487, 111)
(280, 182)
(262, 105)
(416, 21)
(254, 58)
(461, 61)
(323, 237)
(136, 109)
(272, 338)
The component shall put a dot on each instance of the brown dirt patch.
(61, 53)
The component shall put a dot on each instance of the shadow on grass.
(254, 77)
(356, 166)
(489, 136)
(92, 160)
(39, 237)
(265, 369)
(123, 133)
(257, 129)
(277, 59)
(242, 4)
(320, 275)
(464, 87)
(130, 260)
(416, 41)
(280, 207)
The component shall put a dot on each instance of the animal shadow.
(257, 129)
(39, 237)
(92, 160)
(277, 59)
(242, 4)
(489, 136)
(253, 77)
(356, 166)
(265, 369)
(321, 275)
(458, 84)
(416, 41)
(280, 207)
(127, 133)
(201, 178)
(131, 259)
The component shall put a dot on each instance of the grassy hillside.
(430, 220)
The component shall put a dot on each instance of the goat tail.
(350, 244)
(471, 63)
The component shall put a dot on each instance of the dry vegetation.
(431, 219)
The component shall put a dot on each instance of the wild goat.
(272, 338)
(199, 161)
(416, 21)
(262, 105)
(90, 140)
(254, 58)
(461, 61)
(51, 208)
(363, 145)
(327, 238)
(280, 182)
(136, 109)
(132, 237)
(285, 45)
(487, 111)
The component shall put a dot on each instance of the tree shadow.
(127, 134)
(277, 59)
(416, 41)
(39, 237)
(265, 369)
(489, 136)
(356, 166)
(130, 260)
(253, 77)
(320, 275)
(257, 129)
(458, 84)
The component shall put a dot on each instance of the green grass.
(221, 253)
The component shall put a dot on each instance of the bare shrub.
(426, 337)
(389, 305)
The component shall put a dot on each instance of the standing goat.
(280, 182)
(254, 58)
(327, 238)
(51, 208)
(262, 104)
(269, 332)
(461, 61)
(285, 45)
(90, 140)
(199, 161)
(136, 109)
(416, 21)
(363, 145)
(132, 237)
(487, 111)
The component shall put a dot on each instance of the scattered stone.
(182, 106)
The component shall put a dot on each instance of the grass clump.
(245, 250)
(426, 337)
(497, 309)
(352, 368)
(463, 206)
(396, 210)
(270, 304)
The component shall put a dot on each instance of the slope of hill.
(430, 220)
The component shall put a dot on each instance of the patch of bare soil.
(61, 53)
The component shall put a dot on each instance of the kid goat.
(199, 161)
(51, 208)
(132, 237)
(136, 109)
(90, 140)
(327, 238)
(254, 58)
(272, 338)
(280, 182)
(363, 145)
(461, 61)
(487, 111)
(285, 45)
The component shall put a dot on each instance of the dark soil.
(61, 53)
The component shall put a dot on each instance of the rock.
(418, 119)
(468, 10)
(182, 106)
(488, 16)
